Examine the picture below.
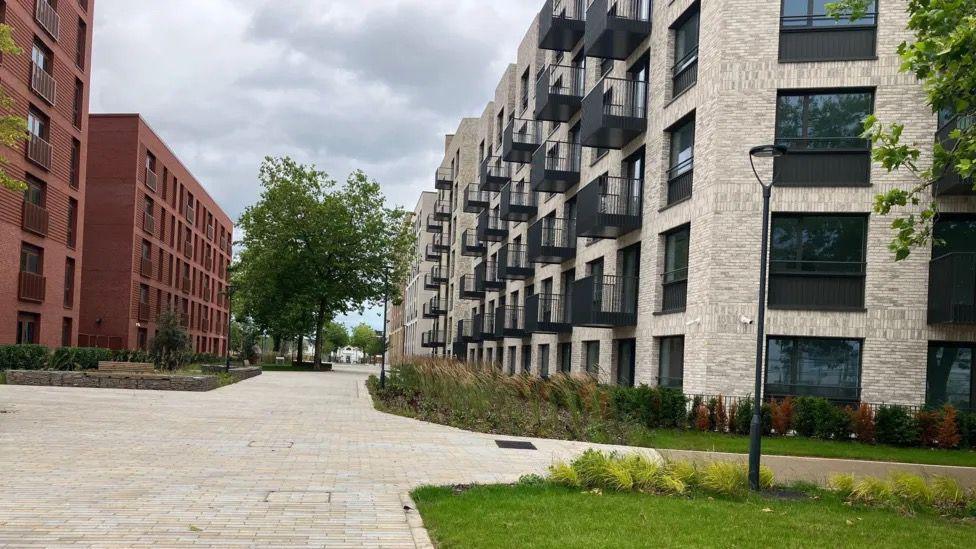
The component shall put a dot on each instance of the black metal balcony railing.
(491, 227)
(431, 253)
(486, 327)
(614, 113)
(609, 207)
(559, 92)
(684, 73)
(513, 262)
(442, 210)
(817, 285)
(436, 278)
(44, 84)
(495, 173)
(674, 294)
(444, 179)
(434, 225)
(562, 24)
(614, 28)
(431, 339)
(434, 308)
(465, 331)
(476, 200)
(681, 179)
(556, 167)
(552, 240)
(952, 289)
(520, 140)
(605, 301)
(950, 183)
(824, 162)
(469, 288)
(486, 277)
(471, 245)
(441, 243)
(510, 321)
(548, 314)
(477, 321)
(834, 393)
(822, 38)
(517, 205)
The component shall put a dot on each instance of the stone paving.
(281, 460)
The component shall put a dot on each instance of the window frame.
(972, 377)
(794, 362)
(806, 94)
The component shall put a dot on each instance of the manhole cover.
(515, 445)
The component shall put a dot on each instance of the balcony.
(824, 162)
(190, 214)
(951, 183)
(442, 210)
(486, 276)
(609, 207)
(562, 24)
(552, 240)
(605, 301)
(44, 84)
(34, 218)
(477, 321)
(210, 232)
(486, 327)
(681, 180)
(459, 350)
(556, 167)
(435, 279)
(520, 140)
(513, 263)
(548, 314)
(444, 179)
(434, 308)
(615, 28)
(433, 339)
(510, 322)
(491, 228)
(471, 245)
(186, 285)
(952, 289)
(465, 332)
(614, 113)
(476, 200)
(148, 223)
(495, 174)
(143, 314)
(517, 205)
(469, 288)
(151, 180)
(188, 249)
(31, 287)
(804, 38)
(431, 253)
(434, 225)
(48, 17)
(559, 93)
(441, 243)
(146, 267)
(39, 151)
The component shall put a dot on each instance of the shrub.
(78, 358)
(842, 484)
(126, 355)
(696, 402)
(905, 491)
(743, 416)
(895, 425)
(911, 489)
(721, 416)
(170, 348)
(782, 415)
(565, 474)
(948, 431)
(928, 426)
(967, 429)
(862, 423)
(947, 493)
(23, 357)
(672, 407)
(731, 479)
(703, 421)
(872, 491)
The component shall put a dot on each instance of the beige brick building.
(604, 203)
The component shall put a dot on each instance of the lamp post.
(386, 304)
(755, 428)
(229, 292)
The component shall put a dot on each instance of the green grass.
(551, 516)
(3, 377)
(799, 446)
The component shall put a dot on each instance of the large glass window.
(676, 256)
(28, 328)
(818, 244)
(31, 259)
(813, 13)
(829, 368)
(592, 357)
(823, 120)
(684, 73)
(543, 353)
(565, 358)
(950, 375)
(953, 235)
(671, 370)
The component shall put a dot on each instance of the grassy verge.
(552, 516)
(3, 377)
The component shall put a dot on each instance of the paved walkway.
(281, 460)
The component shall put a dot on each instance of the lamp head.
(768, 151)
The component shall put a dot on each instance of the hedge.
(78, 358)
(39, 357)
(23, 357)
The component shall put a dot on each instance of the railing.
(561, 80)
(842, 143)
(605, 300)
(624, 97)
(433, 338)
(471, 244)
(442, 209)
(619, 196)
(486, 273)
(827, 285)
(523, 131)
(465, 330)
(824, 161)
(190, 214)
(548, 313)
(684, 74)
(43, 83)
(444, 175)
(825, 22)
(188, 249)
(552, 240)
(48, 17)
(524, 199)
(475, 198)
(187, 284)
(39, 150)
(440, 242)
(31, 287)
(468, 286)
(510, 318)
(34, 218)
(146, 267)
(151, 179)
(952, 289)
(562, 156)
(494, 173)
(148, 223)
(566, 9)
(633, 10)
(515, 256)
(681, 180)
(675, 290)
(210, 232)
(950, 182)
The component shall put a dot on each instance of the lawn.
(799, 446)
(551, 516)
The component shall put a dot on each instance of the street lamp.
(229, 292)
(755, 428)
(386, 304)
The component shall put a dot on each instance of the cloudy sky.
(343, 84)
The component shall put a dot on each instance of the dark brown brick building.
(154, 240)
(41, 230)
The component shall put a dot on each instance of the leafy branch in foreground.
(13, 129)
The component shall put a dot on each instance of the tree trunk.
(277, 343)
(319, 323)
(301, 348)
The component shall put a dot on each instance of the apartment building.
(41, 230)
(422, 305)
(604, 217)
(395, 333)
(154, 240)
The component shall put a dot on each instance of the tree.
(171, 347)
(336, 336)
(13, 129)
(364, 337)
(941, 57)
(314, 249)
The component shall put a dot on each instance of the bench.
(128, 367)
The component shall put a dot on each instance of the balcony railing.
(476, 200)
(674, 295)
(486, 327)
(186, 284)
(31, 287)
(824, 162)
(433, 339)
(444, 179)
(148, 223)
(434, 308)
(513, 262)
(822, 38)
(442, 210)
(146, 267)
(441, 243)
(510, 321)
(605, 301)
(517, 205)
(435, 278)
(559, 92)
(952, 289)
(471, 245)
(950, 183)
(817, 285)
(614, 113)
(469, 288)
(48, 17)
(562, 24)
(188, 249)
(465, 331)
(491, 228)
(190, 213)
(609, 207)
(681, 181)
(556, 167)
(548, 314)
(486, 277)
(520, 140)
(143, 313)
(431, 253)
(434, 225)
(34, 218)
(44, 84)
(39, 151)
(495, 173)
(151, 179)
(684, 73)
(552, 240)
(615, 28)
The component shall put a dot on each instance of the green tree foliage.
(336, 336)
(171, 348)
(364, 337)
(13, 129)
(941, 57)
(313, 249)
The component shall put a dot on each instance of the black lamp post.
(386, 304)
(755, 428)
(229, 292)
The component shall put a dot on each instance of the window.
(142, 336)
(146, 251)
(954, 234)
(675, 278)
(524, 88)
(81, 43)
(37, 123)
(28, 328)
(684, 74)
(526, 359)
(818, 121)
(72, 222)
(565, 358)
(74, 177)
(41, 57)
(818, 261)
(828, 368)
(31, 259)
(671, 368)
(626, 362)
(591, 357)
(36, 192)
(813, 14)
(78, 104)
(543, 353)
(69, 283)
(682, 162)
(66, 331)
(807, 33)
(950, 377)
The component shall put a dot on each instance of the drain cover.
(515, 445)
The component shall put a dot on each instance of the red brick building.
(154, 240)
(41, 230)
